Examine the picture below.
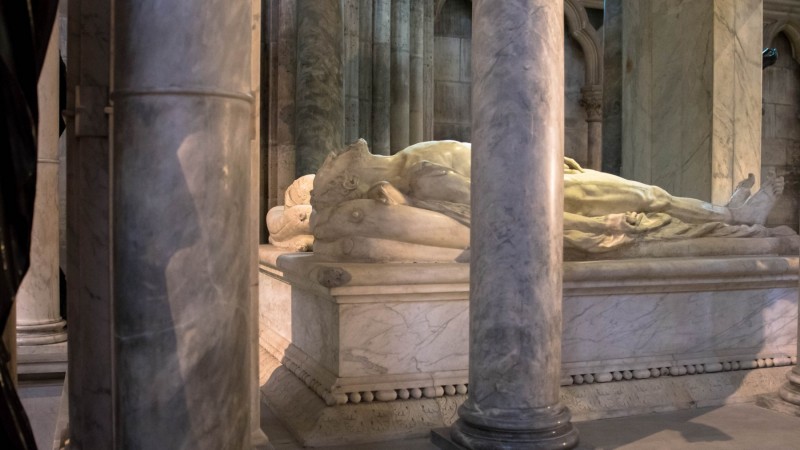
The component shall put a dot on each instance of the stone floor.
(733, 427)
(42, 399)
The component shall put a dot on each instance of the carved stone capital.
(592, 103)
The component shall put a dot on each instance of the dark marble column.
(400, 75)
(517, 209)
(181, 188)
(417, 71)
(612, 86)
(319, 113)
(89, 211)
(381, 77)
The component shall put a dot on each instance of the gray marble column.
(181, 168)
(416, 71)
(381, 77)
(38, 302)
(400, 75)
(319, 109)
(516, 241)
(427, 74)
(351, 68)
(612, 86)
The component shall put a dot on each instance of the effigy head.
(338, 178)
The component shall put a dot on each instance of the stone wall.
(576, 128)
(452, 46)
(780, 141)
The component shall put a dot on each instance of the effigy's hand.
(572, 166)
(384, 192)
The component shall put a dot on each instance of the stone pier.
(516, 241)
(691, 94)
(181, 224)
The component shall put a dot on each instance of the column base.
(563, 437)
(540, 428)
(464, 437)
(787, 400)
(42, 334)
(42, 360)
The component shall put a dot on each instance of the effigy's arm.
(368, 218)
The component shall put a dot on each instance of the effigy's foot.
(756, 208)
(742, 192)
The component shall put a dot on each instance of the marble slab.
(358, 327)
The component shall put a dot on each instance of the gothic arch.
(589, 39)
(791, 28)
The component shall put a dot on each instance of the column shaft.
(319, 110)
(427, 75)
(416, 72)
(181, 242)
(400, 75)
(612, 86)
(365, 12)
(381, 78)
(516, 240)
(592, 102)
(38, 301)
(351, 67)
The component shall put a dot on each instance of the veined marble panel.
(380, 338)
(675, 325)
(399, 330)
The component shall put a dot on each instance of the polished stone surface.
(182, 164)
(517, 230)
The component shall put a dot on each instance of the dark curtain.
(25, 27)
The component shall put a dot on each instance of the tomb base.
(360, 352)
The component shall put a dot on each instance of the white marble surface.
(353, 327)
(680, 324)
(403, 337)
(38, 301)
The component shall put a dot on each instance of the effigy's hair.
(335, 183)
